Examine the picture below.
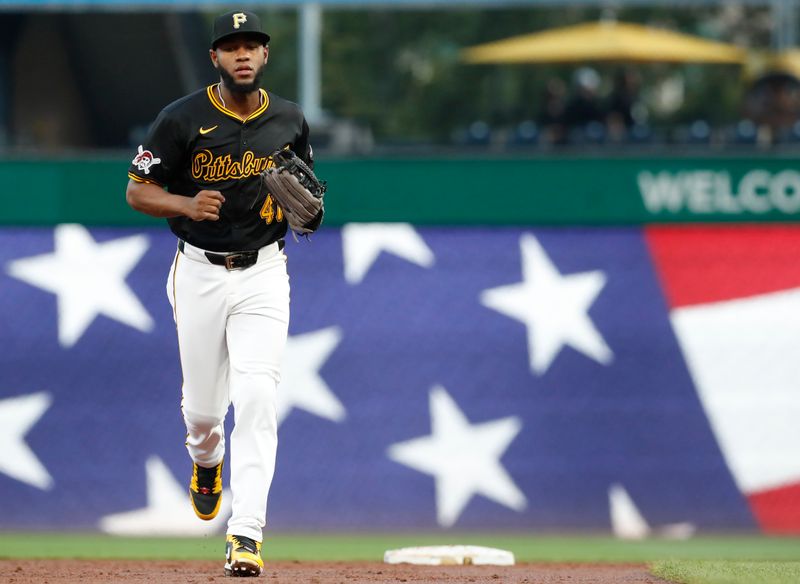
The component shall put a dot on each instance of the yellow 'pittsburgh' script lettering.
(210, 168)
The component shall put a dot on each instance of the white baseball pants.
(232, 328)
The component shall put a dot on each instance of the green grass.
(727, 572)
(370, 547)
(701, 560)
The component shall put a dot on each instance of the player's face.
(240, 61)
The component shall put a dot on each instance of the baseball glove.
(296, 189)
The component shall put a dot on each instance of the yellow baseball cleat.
(243, 556)
(205, 491)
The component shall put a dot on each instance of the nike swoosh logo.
(205, 131)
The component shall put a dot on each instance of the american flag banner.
(642, 381)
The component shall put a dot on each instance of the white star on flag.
(362, 243)
(627, 522)
(17, 416)
(88, 278)
(463, 458)
(169, 511)
(301, 384)
(553, 307)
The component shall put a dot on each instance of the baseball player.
(200, 167)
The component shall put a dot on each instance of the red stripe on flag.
(702, 264)
(778, 510)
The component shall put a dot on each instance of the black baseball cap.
(237, 22)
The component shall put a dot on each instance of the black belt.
(232, 261)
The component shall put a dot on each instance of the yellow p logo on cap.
(239, 19)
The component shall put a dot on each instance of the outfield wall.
(455, 191)
(528, 344)
(639, 380)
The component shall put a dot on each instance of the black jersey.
(196, 144)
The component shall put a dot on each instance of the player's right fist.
(205, 206)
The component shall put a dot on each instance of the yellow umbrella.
(785, 62)
(604, 41)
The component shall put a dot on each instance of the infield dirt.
(193, 572)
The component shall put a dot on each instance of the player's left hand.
(296, 189)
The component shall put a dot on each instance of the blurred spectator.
(479, 133)
(624, 108)
(773, 104)
(745, 132)
(699, 132)
(551, 115)
(526, 133)
(583, 106)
